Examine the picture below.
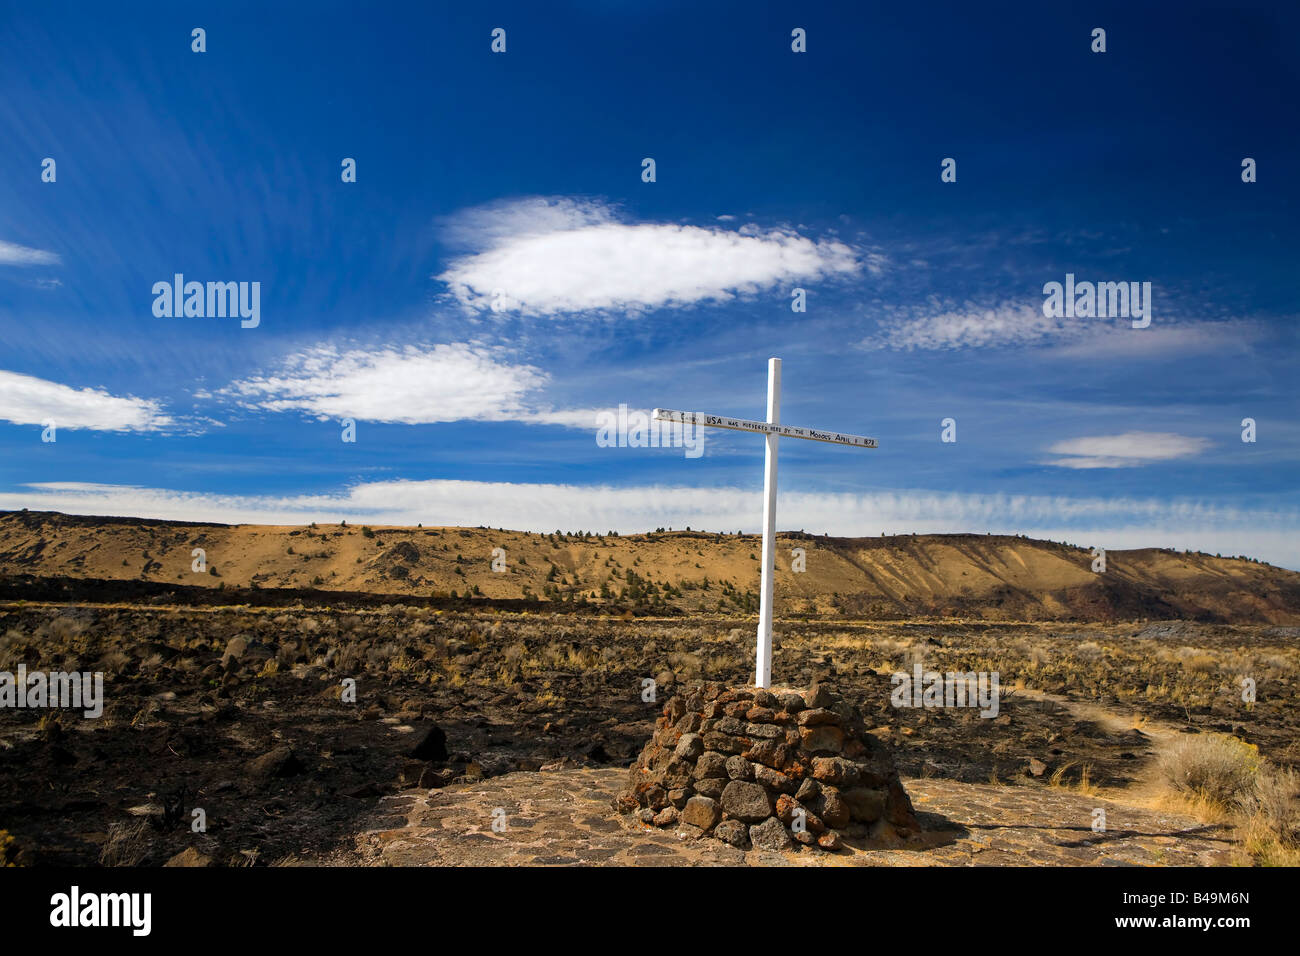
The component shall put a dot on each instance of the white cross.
(774, 430)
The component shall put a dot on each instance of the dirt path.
(1159, 737)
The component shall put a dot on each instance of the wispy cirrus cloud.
(1161, 340)
(939, 327)
(12, 254)
(28, 400)
(1109, 522)
(970, 327)
(1128, 450)
(551, 256)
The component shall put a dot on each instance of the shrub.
(1217, 767)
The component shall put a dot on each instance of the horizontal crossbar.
(762, 428)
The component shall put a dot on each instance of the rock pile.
(764, 768)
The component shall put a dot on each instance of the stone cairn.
(765, 768)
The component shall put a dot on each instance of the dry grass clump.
(1088, 651)
(1060, 779)
(12, 647)
(581, 659)
(127, 844)
(685, 666)
(1271, 832)
(61, 629)
(1192, 660)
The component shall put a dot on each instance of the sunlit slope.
(955, 575)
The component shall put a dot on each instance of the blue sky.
(515, 179)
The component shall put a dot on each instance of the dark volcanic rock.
(769, 835)
(738, 768)
(710, 787)
(733, 832)
(432, 747)
(746, 801)
(280, 762)
(711, 764)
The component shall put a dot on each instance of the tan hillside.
(959, 575)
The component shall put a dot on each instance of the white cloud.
(27, 400)
(1125, 451)
(12, 254)
(552, 256)
(488, 226)
(570, 418)
(413, 385)
(410, 385)
(1111, 523)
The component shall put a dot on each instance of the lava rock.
(745, 801)
(738, 768)
(819, 695)
(822, 739)
(666, 817)
(791, 702)
(710, 787)
(830, 840)
(710, 764)
(690, 746)
(770, 835)
(774, 780)
(832, 808)
(733, 832)
(808, 790)
(815, 718)
(702, 812)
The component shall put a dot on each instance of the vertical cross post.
(763, 655)
(772, 429)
